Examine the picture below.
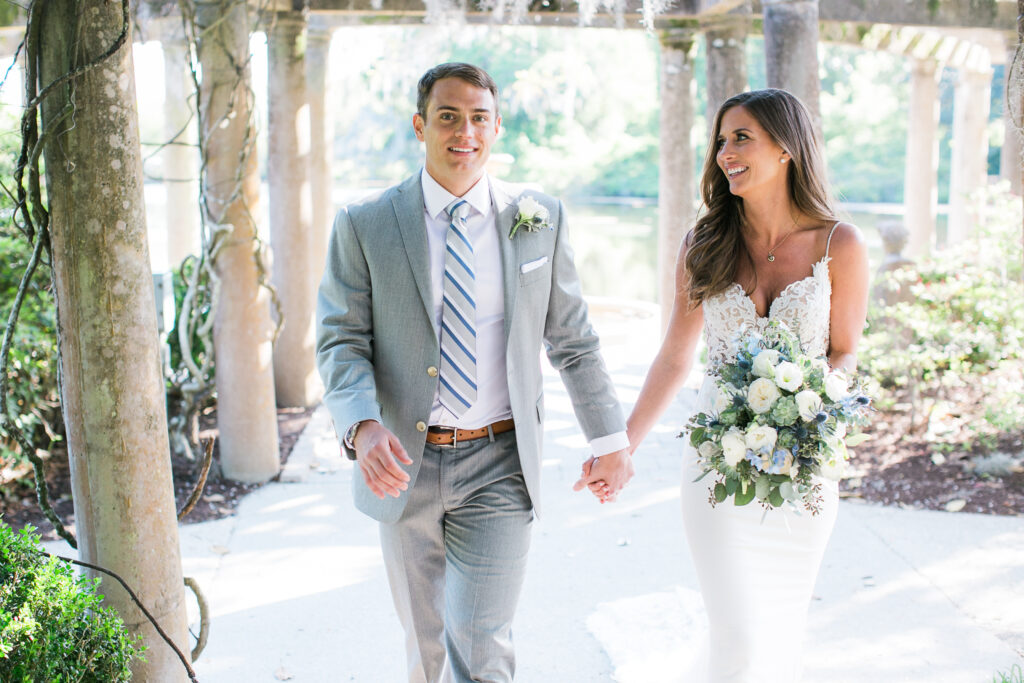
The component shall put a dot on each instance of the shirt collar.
(436, 199)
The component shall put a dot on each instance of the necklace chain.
(771, 252)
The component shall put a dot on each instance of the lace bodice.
(804, 306)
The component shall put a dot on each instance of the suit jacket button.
(432, 371)
(421, 426)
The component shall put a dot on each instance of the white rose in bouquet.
(808, 403)
(836, 386)
(789, 376)
(761, 438)
(761, 394)
(734, 446)
(765, 362)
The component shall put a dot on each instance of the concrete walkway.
(297, 589)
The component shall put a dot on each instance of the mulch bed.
(18, 505)
(898, 466)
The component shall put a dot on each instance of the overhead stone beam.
(948, 47)
(992, 14)
(1000, 14)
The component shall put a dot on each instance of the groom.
(431, 316)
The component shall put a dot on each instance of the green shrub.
(33, 399)
(962, 323)
(52, 625)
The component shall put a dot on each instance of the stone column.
(920, 178)
(676, 186)
(726, 40)
(246, 415)
(969, 164)
(181, 156)
(1010, 161)
(295, 377)
(791, 50)
(321, 143)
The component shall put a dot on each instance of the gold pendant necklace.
(771, 252)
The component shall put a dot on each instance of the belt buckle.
(441, 429)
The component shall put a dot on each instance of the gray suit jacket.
(376, 335)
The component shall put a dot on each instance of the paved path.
(297, 588)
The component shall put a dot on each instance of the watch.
(350, 436)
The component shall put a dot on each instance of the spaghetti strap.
(829, 243)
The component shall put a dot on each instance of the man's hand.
(607, 475)
(377, 450)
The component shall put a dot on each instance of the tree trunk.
(246, 414)
(112, 391)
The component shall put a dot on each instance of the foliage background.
(581, 108)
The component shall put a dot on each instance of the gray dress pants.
(456, 560)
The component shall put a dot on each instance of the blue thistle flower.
(821, 417)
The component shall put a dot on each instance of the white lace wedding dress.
(757, 570)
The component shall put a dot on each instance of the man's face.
(460, 126)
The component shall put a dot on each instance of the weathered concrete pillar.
(920, 177)
(181, 156)
(321, 142)
(791, 50)
(969, 164)
(246, 414)
(726, 40)
(288, 130)
(1010, 162)
(676, 186)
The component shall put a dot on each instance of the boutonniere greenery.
(532, 216)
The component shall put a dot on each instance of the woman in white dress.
(767, 246)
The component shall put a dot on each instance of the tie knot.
(458, 210)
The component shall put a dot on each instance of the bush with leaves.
(960, 321)
(53, 626)
(33, 399)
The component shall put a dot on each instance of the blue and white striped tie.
(458, 315)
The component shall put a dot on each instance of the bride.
(767, 247)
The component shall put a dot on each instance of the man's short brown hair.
(470, 73)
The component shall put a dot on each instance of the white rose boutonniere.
(532, 216)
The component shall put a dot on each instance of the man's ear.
(497, 125)
(417, 126)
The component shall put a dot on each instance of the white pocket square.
(533, 265)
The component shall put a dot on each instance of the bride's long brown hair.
(716, 241)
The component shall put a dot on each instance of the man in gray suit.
(436, 298)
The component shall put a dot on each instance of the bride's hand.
(599, 488)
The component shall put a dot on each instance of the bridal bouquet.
(779, 417)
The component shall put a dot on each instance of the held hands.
(607, 475)
(377, 450)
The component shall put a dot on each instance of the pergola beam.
(962, 14)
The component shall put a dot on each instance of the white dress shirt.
(492, 399)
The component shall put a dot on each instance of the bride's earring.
(782, 160)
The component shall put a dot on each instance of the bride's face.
(747, 155)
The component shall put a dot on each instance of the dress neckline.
(785, 290)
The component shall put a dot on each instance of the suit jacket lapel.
(408, 205)
(505, 208)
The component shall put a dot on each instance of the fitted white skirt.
(757, 572)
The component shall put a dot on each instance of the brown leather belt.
(445, 436)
